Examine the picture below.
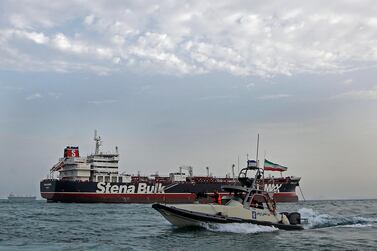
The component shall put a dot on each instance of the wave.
(317, 220)
(241, 228)
(358, 225)
(310, 219)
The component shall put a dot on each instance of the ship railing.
(103, 155)
(77, 168)
(75, 160)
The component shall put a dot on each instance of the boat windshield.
(234, 202)
(237, 197)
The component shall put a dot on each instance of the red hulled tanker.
(95, 179)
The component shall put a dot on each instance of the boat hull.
(184, 218)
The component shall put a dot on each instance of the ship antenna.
(97, 139)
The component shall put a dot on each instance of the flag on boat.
(270, 166)
(251, 163)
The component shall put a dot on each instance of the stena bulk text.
(103, 187)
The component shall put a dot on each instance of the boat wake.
(316, 220)
(240, 228)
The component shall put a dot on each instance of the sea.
(330, 225)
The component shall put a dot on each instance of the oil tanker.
(96, 179)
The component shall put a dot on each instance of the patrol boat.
(247, 204)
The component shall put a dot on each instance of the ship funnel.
(71, 152)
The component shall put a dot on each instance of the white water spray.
(241, 228)
(317, 220)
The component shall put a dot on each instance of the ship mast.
(98, 141)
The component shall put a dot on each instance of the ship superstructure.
(97, 167)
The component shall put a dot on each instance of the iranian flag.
(270, 166)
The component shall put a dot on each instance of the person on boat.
(260, 205)
(271, 204)
(216, 197)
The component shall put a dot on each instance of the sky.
(192, 83)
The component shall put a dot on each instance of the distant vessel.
(95, 179)
(17, 198)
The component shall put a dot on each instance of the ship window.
(120, 179)
(107, 178)
(100, 178)
(113, 179)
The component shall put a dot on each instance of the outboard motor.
(294, 218)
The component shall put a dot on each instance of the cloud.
(39, 95)
(370, 94)
(34, 96)
(274, 96)
(348, 81)
(219, 97)
(89, 19)
(36, 37)
(101, 102)
(254, 39)
(250, 85)
(12, 88)
(54, 95)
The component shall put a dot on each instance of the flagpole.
(257, 151)
(258, 161)
(263, 166)
(238, 164)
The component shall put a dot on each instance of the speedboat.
(247, 204)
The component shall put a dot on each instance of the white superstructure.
(75, 168)
(98, 167)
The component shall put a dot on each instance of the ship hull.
(139, 192)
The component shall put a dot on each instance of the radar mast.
(98, 141)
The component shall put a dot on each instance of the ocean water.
(332, 225)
